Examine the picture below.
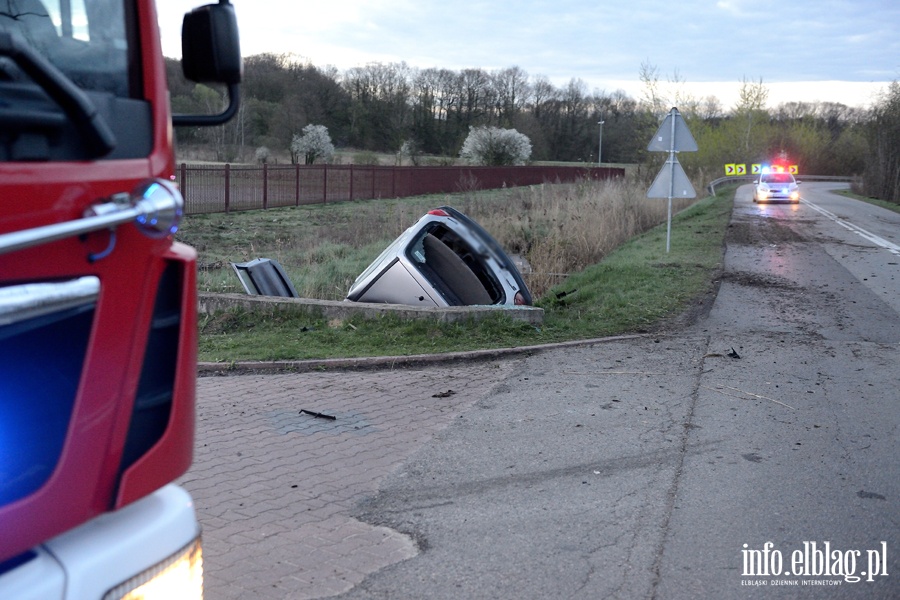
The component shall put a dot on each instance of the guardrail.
(711, 188)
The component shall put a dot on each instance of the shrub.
(315, 143)
(492, 146)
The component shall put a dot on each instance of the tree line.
(381, 108)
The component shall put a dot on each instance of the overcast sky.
(799, 48)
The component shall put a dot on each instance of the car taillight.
(438, 212)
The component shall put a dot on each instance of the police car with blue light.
(776, 185)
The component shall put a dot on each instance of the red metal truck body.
(97, 329)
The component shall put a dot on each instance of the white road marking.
(878, 241)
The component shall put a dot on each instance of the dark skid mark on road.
(762, 231)
(750, 279)
(398, 500)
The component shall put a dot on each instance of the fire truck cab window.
(85, 39)
(62, 62)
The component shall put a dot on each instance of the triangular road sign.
(663, 142)
(671, 182)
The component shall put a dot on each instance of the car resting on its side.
(444, 259)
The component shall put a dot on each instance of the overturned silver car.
(445, 259)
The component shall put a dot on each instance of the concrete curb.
(206, 369)
(209, 303)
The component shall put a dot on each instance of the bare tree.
(752, 98)
(542, 90)
(511, 90)
(789, 111)
(711, 108)
(379, 103)
(653, 97)
(686, 102)
(475, 97)
(433, 97)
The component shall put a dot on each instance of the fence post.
(325, 183)
(297, 184)
(227, 187)
(373, 182)
(265, 186)
(182, 172)
(351, 182)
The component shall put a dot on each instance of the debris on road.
(317, 414)
(720, 388)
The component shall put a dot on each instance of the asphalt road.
(731, 459)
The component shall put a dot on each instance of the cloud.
(702, 40)
(734, 7)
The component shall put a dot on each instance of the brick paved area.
(273, 485)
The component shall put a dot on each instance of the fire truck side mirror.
(210, 45)
(211, 53)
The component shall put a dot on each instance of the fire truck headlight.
(180, 576)
(160, 205)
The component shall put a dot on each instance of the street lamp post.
(600, 144)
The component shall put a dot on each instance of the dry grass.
(565, 228)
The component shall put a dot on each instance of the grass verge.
(638, 287)
(876, 201)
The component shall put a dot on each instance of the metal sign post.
(673, 136)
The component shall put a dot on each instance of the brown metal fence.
(226, 188)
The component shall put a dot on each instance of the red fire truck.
(97, 302)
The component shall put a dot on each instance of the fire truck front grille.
(153, 402)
